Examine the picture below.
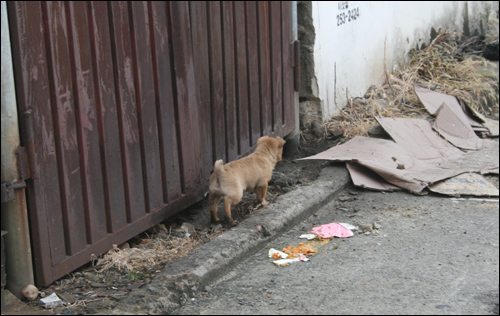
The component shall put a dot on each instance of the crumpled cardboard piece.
(466, 184)
(433, 100)
(365, 178)
(491, 126)
(456, 128)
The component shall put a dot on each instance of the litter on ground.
(317, 237)
(51, 301)
(276, 254)
(331, 230)
(308, 236)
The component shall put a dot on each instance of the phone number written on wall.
(347, 14)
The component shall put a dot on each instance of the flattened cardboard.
(455, 127)
(432, 100)
(491, 125)
(413, 169)
(443, 160)
(384, 157)
(417, 137)
(365, 178)
(419, 156)
(465, 184)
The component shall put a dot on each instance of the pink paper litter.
(331, 230)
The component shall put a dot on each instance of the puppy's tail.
(217, 170)
(215, 175)
(218, 167)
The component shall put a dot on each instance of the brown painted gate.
(124, 107)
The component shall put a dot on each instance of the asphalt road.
(430, 255)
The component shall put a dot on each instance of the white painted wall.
(349, 53)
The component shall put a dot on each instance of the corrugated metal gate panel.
(128, 104)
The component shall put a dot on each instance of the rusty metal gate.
(124, 107)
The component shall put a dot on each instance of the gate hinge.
(23, 165)
(24, 173)
(8, 189)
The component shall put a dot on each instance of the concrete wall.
(350, 35)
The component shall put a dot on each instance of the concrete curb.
(187, 276)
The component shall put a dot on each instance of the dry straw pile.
(150, 252)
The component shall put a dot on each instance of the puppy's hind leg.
(231, 200)
(213, 201)
(261, 194)
(227, 208)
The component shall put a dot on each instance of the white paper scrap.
(281, 254)
(308, 236)
(51, 301)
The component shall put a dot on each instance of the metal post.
(292, 139)
(18, 263)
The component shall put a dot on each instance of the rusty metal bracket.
(8, 189)
(24, 173)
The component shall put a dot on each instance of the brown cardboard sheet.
(456, 128)
(435, 158)
(365, 178)
(466, 183)
(433, 100)
(419, 157)
(384, 157)
(417, 136)
(490, 125)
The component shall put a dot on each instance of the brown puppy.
(251, 173)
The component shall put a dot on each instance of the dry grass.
(162, 247)
(449, 65)
(150, 252)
